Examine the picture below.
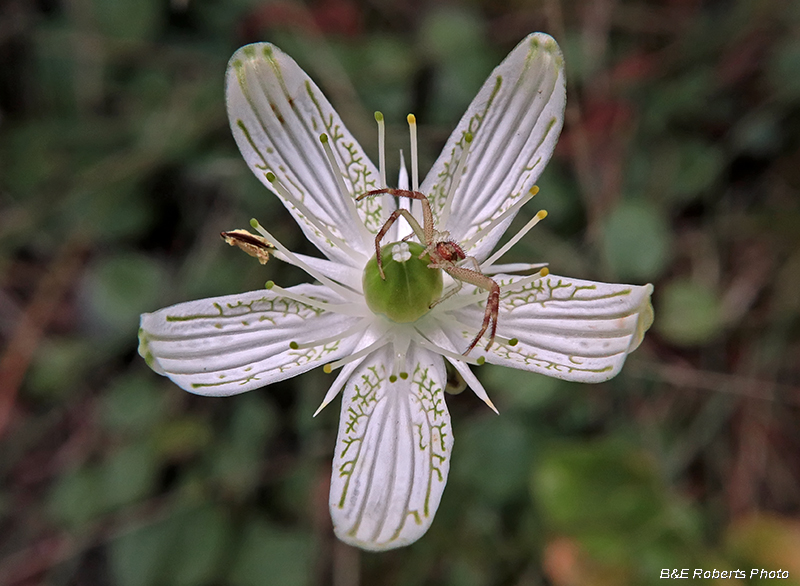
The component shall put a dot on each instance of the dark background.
(679, 165)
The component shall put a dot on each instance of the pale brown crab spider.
(444, 254)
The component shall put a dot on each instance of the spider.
(445, 254)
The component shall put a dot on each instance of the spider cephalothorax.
(444, 254)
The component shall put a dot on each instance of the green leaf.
(120, 288)
(138, 558)
(133, 403)
(59, 367)
(129, 19)
(636, 241)
(270, 556)
(495, 455)
(696, 166)
(129, 474)
(205, 537)
(77, 497)
(689, 313)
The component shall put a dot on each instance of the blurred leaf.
(183, 549)
(452, 40)
(120, 288)
(450, 33)
(77, 497)
(238, 457)
(59, 367)
(129, 474)
(494, 458)
(204, 542)
(253, 422)
(784, 69)
(610, 498)
(637, 241)
(758, 133)
(270, 556)
(599, 487)
(695, 168)
(518, 389)
(139, 557)
(134, 403)
(182, 437)
(129, 19)
(688, 313)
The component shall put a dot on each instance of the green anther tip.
(513, 342)
(323, 138)
(481, 360)
(327, 369)
(294, 345)
(378, 116)
(269, 284)
(468, 137)
(271, 177)
(392, 378)
(254, 224)
(404, 375)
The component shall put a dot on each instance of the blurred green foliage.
(678, 165)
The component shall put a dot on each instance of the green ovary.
(410, 286)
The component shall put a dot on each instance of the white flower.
(393, 449)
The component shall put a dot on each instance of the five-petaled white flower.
(395, 439)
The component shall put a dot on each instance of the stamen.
(524, 281)
(311, 217)
(359, 326)
(462, 163)
(348, 197)
(541, 215)
(381, 147)
(412, 127)
(514, 267)
(447, 353)
(499, 219)
(331, 366)
(348, 294)
(343, 308)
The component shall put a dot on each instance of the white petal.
(229, 345)
(515, 120)
(393, 452)
(567, 328)
(277, 115)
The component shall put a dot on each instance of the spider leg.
(382, 232)
(427, 214)
(448, 295)
(489, 318)
(492, 303)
